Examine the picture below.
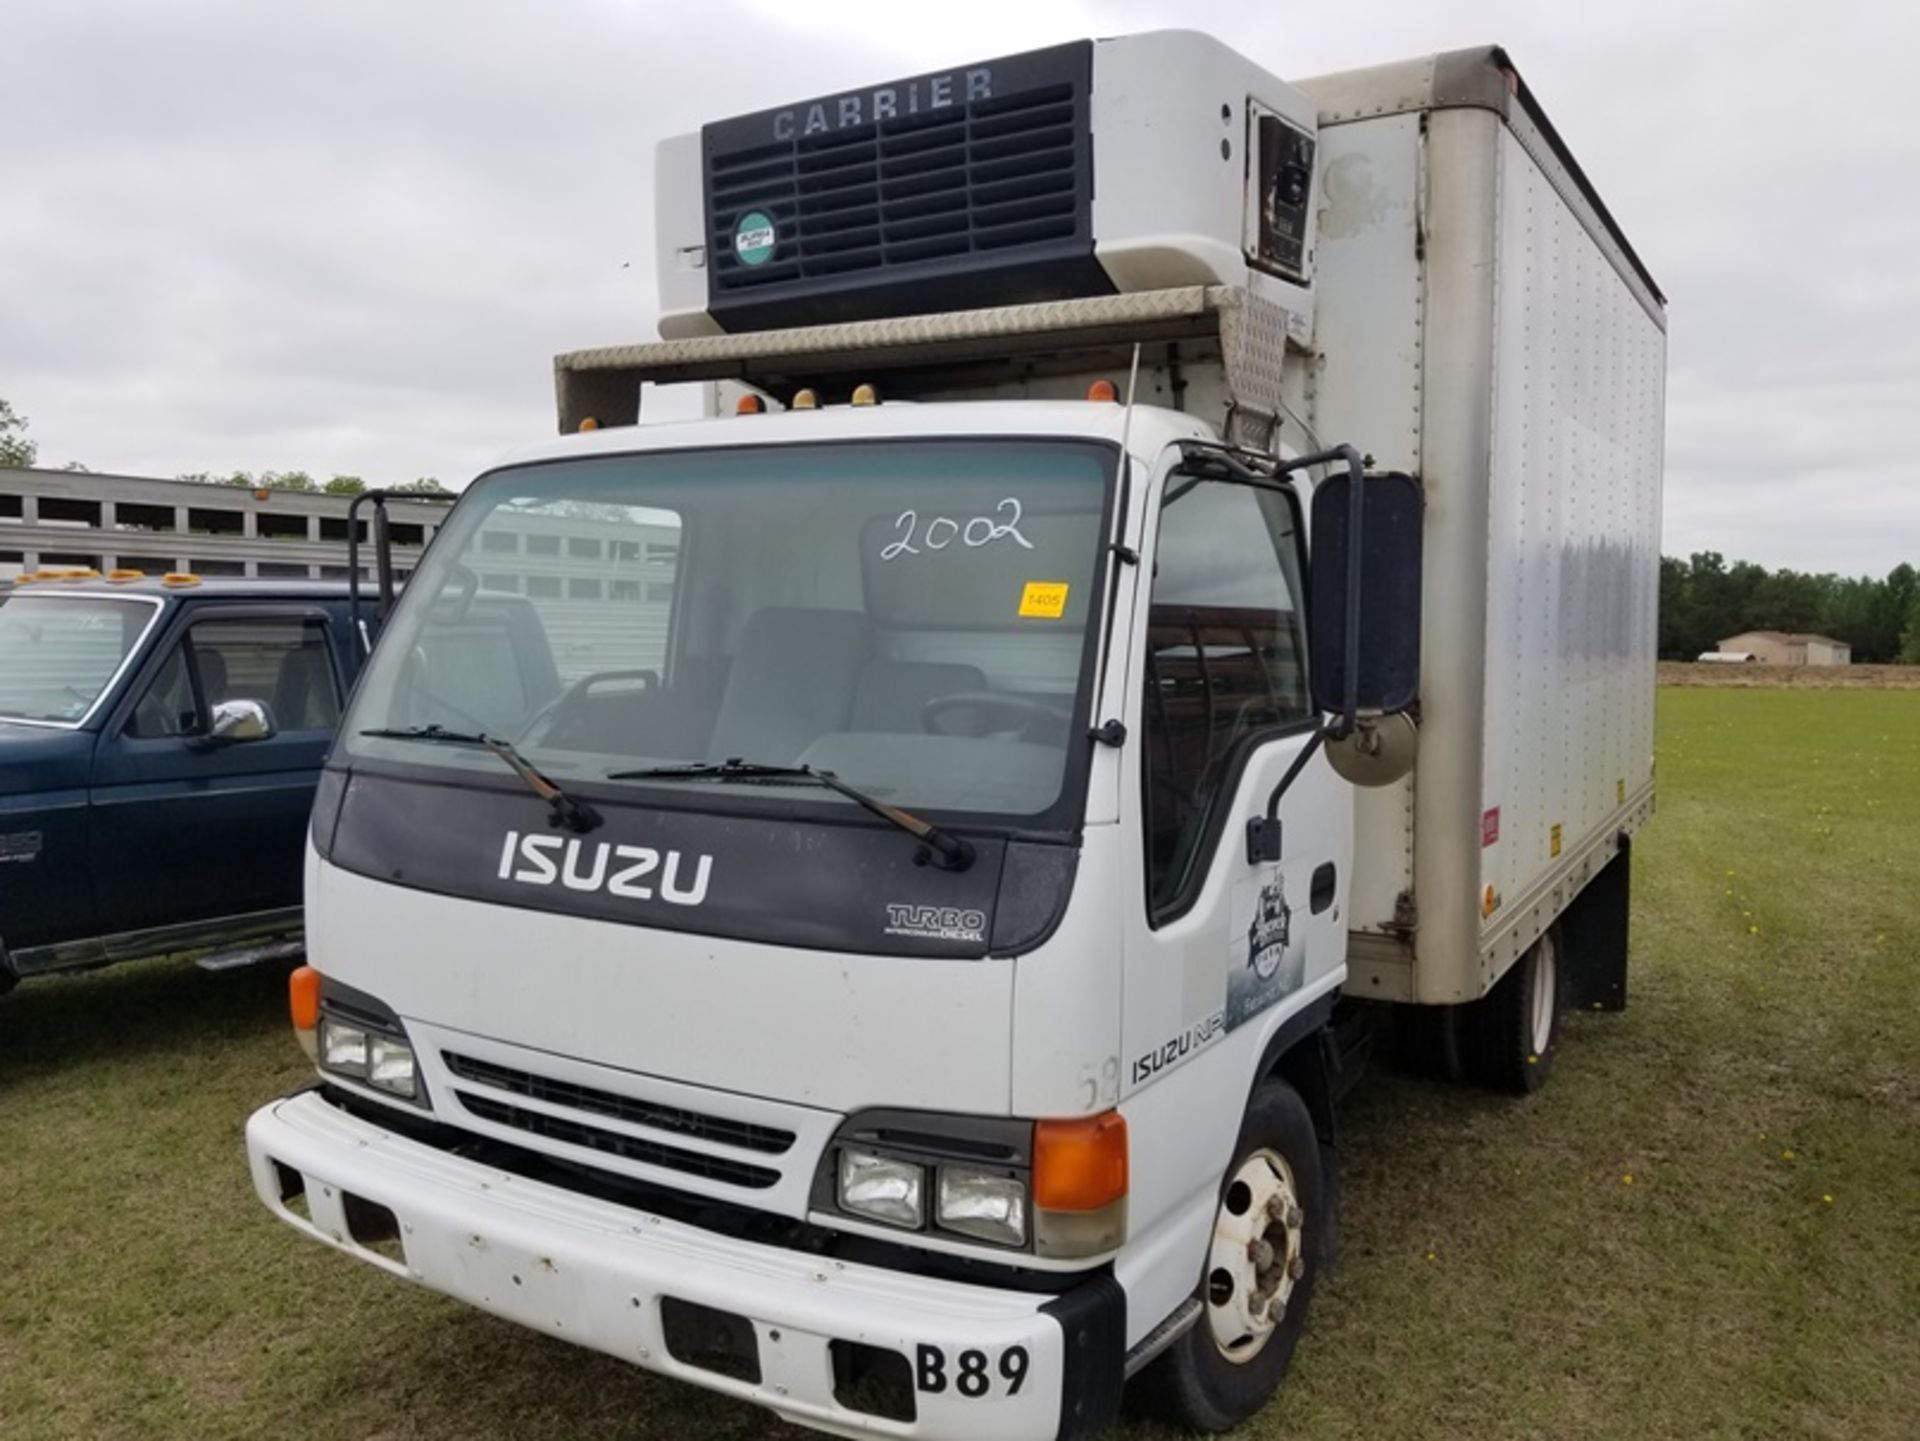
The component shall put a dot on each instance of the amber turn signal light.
(303, 997)
(1080, 1165)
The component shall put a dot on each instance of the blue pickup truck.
(160, 741)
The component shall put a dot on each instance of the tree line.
(1704, 600)
(301, 481)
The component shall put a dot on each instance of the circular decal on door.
(753, 238)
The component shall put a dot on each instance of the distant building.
(1778, 647)
(65, 519)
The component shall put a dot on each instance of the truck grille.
(613, 1143)
(719, 1129)
(989, 183)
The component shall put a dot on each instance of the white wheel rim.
(1257, 1256)
(1545, 977)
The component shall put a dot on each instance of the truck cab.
(866, 901)
(160, 741)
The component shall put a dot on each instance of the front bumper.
(985, 1362)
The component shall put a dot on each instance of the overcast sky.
(349, 236)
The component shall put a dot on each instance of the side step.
(233, 960)
(1163, 1335)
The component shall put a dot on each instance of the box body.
(1481, 323)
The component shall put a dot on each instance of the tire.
(1514, 1031)
(1229, 1363)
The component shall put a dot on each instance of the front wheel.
(1272, 1236)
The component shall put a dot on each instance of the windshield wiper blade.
(953, 853)
(568, 812)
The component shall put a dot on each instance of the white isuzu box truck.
(866, 901)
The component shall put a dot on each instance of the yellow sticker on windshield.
(1044, 599)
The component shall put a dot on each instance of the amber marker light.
(118, 575)
(749, 405)
(587, 422)
(1103, 390)
(805, 400)
(1080, 1165)
(1080, 1185)
(864, 394)
(303, 1004)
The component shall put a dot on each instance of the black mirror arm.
(1356, 463)
(1263, 832)
(382, 557)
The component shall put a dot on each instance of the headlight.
(343, 1048)
(390, 1065)
(383, 1061)
(978, 1203)
(882, 1189)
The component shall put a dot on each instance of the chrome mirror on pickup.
(240, 720)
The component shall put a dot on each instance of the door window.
(1225, 663)
(279, 661)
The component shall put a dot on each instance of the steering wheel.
(549, 717)
(1040, 721)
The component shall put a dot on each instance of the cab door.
(188, 827)
(1221, 947)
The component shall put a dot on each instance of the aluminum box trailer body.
(904, 977)
(1499, 338)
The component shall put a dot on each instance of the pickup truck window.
(1224, 659)
(58, 653)
(280, 661)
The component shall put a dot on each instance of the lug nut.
(1277, 1309)
(1260, 1252)
(1294, 1217)
(1297, 1266)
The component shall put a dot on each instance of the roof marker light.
(865, 394)
(749, 405)
(180, 577)
(1103, 390)
(805, 400)
(121, 575)
(587, 422)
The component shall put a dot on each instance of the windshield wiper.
(569, 812)
(954, 853)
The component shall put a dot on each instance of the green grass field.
(1707, 1225)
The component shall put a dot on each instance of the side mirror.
(240, 720)
(1364, 641)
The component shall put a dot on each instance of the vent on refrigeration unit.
(949, 191)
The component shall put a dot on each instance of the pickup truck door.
(186, 828)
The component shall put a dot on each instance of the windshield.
(913, 617)
(59, 653)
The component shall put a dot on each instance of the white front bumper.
(595, 1273)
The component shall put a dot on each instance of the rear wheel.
(1514, 1029)
(1272, 1236)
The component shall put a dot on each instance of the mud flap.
(1593, 937)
